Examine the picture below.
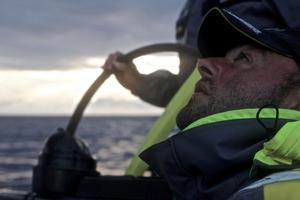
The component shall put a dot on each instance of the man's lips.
(202, 86)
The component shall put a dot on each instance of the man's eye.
(242, 56)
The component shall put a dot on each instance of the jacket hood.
(282, 152)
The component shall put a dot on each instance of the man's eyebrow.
(247, 47)
(232, 50)
(235, 47)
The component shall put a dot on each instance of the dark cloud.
(55, 33)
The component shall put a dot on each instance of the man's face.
(247, 77)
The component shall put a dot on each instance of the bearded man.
(241, 125)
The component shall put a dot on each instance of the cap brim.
(221, 31)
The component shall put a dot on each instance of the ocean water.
(112, 141)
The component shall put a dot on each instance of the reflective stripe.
(285, 190)
(276, 177)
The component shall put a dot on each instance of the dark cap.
(267, 24)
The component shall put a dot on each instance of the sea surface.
(112, 141)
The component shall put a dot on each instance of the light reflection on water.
(112, 141)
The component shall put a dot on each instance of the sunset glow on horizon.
(57, 92)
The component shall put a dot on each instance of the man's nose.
(210, 67)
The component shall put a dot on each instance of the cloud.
(55, 34)
(54, 92)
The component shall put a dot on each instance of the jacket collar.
(281, 152)
(245, 114)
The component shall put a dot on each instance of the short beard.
(237, 98)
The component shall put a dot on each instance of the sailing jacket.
(222, 156)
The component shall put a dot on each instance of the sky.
(52, 50)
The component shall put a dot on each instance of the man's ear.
(292, 100)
